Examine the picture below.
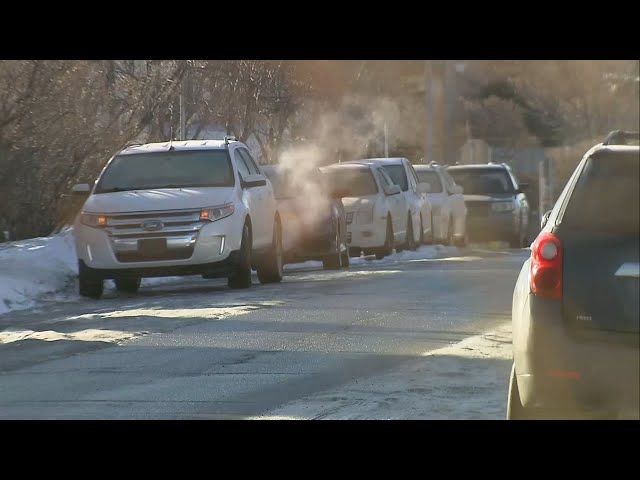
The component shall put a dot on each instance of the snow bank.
(32, 268)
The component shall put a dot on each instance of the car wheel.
(88, 284)
(515, 410)
(242, 277)
(127, 285)
(388, 241)
(334, 260)
(410, 241)
(271, 270)
(450, 232)
(430, 238)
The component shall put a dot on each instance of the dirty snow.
(88, 335)
(467, 380)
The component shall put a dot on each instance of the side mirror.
(457, 190)
(424, 187)
(392, 190)
(81, 189)
(253, 181)
(545, 219)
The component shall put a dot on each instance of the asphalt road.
(196, 349)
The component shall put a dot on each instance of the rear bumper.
(223, 268)
(558, 367)
(499, 226)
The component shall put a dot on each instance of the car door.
(521, 203)
(438, 197)
(455, 202)
(397, 205)
(422, 204)
(260, 199)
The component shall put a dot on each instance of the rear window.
(356, 182)
(432, 179)
(606, 196)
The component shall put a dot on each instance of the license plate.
(152, 246)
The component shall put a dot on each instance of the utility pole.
(428, 146)
(386, 141)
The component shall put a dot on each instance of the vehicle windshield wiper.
(114, 189)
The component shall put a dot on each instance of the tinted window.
(243, 168)
(606, 196)
(357, 182)
(175, 169)
(249, 161)
(432, 179)
(398, 175)
(478, 181)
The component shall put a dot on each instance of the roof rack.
(620, 137)
(229, 138)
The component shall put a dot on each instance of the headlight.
(365, 215)
(93, 220)
(502, 206)
(216, 213)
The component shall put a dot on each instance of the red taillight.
(545, 274)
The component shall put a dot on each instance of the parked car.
(575, 312)
(447, 204)
(419, 217)
(497, 207)
(376, 212)
(178, 208)
(314, 224)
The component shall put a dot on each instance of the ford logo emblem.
(152, 225)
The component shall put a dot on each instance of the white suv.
(178, 208)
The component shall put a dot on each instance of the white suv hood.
(160, 199)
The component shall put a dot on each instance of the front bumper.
(211, 244)
(365, 236)
(222, 268)
(494, 226)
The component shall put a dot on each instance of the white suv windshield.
(476, 181)
(175, 169)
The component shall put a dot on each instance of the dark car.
(497, 207)
(313, 217)
(575, 305)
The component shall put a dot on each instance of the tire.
(430, 239)
(515, 410)
(88, 284)
(334, 260)
(450, 232)
(410, 241)
(127, 285)
(388, 242)
(271, 269)
(242, 277)
(464, 241)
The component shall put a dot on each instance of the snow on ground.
(46, 267)
(467, 380)
(32, 268)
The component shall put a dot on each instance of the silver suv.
(497, 207)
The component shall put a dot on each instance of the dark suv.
(497, 208)
(575, 305)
